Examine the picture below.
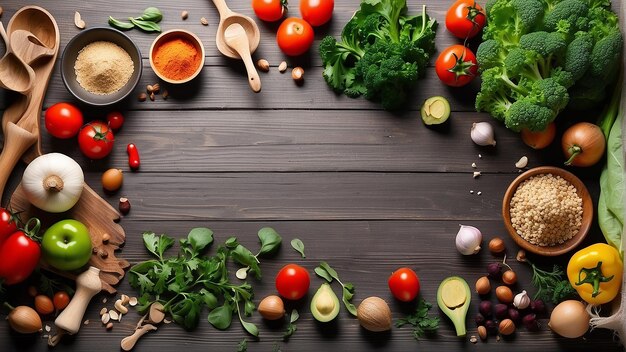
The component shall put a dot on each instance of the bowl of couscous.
(547, 210)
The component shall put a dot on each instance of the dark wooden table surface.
(366, 190)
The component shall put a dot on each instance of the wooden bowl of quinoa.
(547, 211)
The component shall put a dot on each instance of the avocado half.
(325, 304)
(435, 110)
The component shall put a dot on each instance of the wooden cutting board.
(100, 217)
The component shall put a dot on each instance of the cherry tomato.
(96, 140)
(456, 66)
(465, 18)
(294, 36)
(404, 284)
(115, 119)
(63, 120)
(269, 10)
(8, 224)
(317, 12)
(540, 139)
(292, 281)
(61, 299)
(19, 256)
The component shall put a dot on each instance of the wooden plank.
(306, 140)
(314, 196)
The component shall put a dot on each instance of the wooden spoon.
(15, 74)
(28, 47)
(235, 49)
(236, 38)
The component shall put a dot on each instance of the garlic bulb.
(482, 133)
(53, 182)
(468, 240)
(521, 300)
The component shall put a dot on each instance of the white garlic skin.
(468, 240)
(482, 134)
(521, 300)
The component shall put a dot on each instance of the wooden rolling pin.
(88, 284)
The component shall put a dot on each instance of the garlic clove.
(482, 134)
(521, 300)
(468, 240)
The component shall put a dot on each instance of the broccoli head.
(489, 54)
(549, 93)
(544, 43)
(570, 14)
(525, 114)
(606, 56)
(578, 55)
(510, 19)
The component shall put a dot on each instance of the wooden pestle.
(88, 284)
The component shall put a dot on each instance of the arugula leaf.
(221, 317)
(157, 245)
(298, 245)
(323, 274)
(346, 297)
(291, 328)
(325, 271)
(329, 270)
(124, 26)
(147, 26)
(421, 322)
(270, 240)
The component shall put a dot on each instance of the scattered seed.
(106, 317)
(480, 156)
(109, 326)
(476, 174)
(474, 165)
(242, 273)
(473, 339)
(165, 94)
(48, 328)
(204, 21)
(479, 193)
(104, 300)
(522, 162)
(298, 75)
(114, 314)
(282, 67)
(263, 65)
(155, 88)
(120, 307)
(103, 311)
(105, 238)
(184, 15)
(498, 338)
(142, 96)
(152, 96)
(125, 299)
(482, 332)
(149, 88)
(166, 321)
(521, 256)
(78, 21)
(471, 192)
(86, 322)
(132, 301)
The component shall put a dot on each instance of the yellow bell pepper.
(596, 273)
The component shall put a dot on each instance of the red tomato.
(19, 255)
(404, 284)
(465, 18)
(292, 281)
(60, 300)
(456, 66)
(96, 140)
(317, 12)
(269, 10)
(8, 224)
(63, 120)
(115, 119)
(294, 36)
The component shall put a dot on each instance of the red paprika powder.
(176, 59)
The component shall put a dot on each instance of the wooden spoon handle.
(253, 75)
(17, 141)
(222, 8)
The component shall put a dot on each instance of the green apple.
(66, 245)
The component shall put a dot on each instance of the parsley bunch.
(551, 285)
(421, 322)
(188, 282)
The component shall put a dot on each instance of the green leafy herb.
(298, 245)
(148, 21)
(242, 346)
(421, 322)
(189, 282)
(291, 328)
(270, 242)
(552, 285)
(326, 272)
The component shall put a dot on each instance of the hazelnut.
(152, 96)
(109, 326)
(124, 206)
(506, 327)
(184, 15)
(496, 245)
(142, 97)
(263, 65)
(504, 294)
(521, 256)
(282, 67)
(165, 94)
(509, 277)
(298, 75)
(204, 21)
(483, 286)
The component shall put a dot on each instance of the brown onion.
(272, 308)
(583, 144)
(24, 320)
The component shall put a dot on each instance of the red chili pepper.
(133, 156)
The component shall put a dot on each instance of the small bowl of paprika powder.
(177, 56)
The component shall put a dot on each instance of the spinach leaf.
(124, 26)
(147, 26)
(298, 245)
(221, 317)
(151, 14)
(270, 240)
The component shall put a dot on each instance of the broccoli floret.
(496, 105)
(520, 62)
(549, 47)
(525, 114)
(489, 54)
(606, 56)
(549, 93)
(578, 55)
(571, 13)
(562, 77)
(510, 19)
